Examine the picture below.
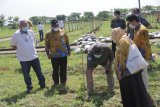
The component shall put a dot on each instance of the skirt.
(133, 92)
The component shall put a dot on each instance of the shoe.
(42, 87)
(28, 91)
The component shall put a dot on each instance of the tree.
(2, 20)
(61, 17)
(88, 15)
(103, 15)
(10, 20)
(75, 16)
(16, 18)
(34, 20)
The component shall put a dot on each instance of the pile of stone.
(86, 41)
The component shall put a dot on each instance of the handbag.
(135, 61)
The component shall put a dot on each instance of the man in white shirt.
(40, 28)
(24, 42)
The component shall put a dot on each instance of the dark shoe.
(42, 87)
(28, 91)
(54, 85)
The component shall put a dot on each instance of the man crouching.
(100, 54)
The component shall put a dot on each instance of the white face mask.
(55, 29)
(97, 56)
(131, 26)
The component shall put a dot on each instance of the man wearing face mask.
(100, 54)
(115, 23)
(57, 49)
(141, 39)
(24, 42)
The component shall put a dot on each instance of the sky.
(51, 8)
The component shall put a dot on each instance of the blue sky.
(27, 8)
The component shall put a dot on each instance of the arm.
(112, 25)
(124, 50)
(14, 42)
(67, 43)
(124, 24)
(47, 46)
(145, 45)
(145, 22)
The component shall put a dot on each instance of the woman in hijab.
(133, 91)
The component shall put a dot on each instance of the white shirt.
(25, 44)
(40, 27)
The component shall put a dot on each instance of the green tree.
(103, 15)
(2, 20)
(88, 15)
(34, 20)
(61, 17)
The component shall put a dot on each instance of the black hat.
(98, 49)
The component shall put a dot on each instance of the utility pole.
(139, 4)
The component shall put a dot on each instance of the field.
(12, 87)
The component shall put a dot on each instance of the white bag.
(135, 61)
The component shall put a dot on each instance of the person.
(24, 42)
(30, 24)
(40, 28)
(117, 22)
(132, 88)
(57, 49)
(61, 24)
(100, 54)
(143, 21)
(141, 39)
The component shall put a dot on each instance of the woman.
(133, 91)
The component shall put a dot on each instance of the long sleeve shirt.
(57, 44)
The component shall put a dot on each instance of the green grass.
(105, 29)
(12, 91)
(12, 87)
(6, 32)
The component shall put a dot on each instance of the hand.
(49, 56)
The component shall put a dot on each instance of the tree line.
(75, 17)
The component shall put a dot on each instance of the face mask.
(55, 29)
(25, 29)
(131, 26)
(97, 56)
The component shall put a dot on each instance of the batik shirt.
(57, 44)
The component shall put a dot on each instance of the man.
(61, 24)
(115, 23)
(141, 39)
(40, 28)
(99, 54)
(142, 20)
(57, 49)
(24, 42)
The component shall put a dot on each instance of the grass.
(12, 87)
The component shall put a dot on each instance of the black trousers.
(113, 48)
(59, 70)
(41, 35)
(35, 64)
